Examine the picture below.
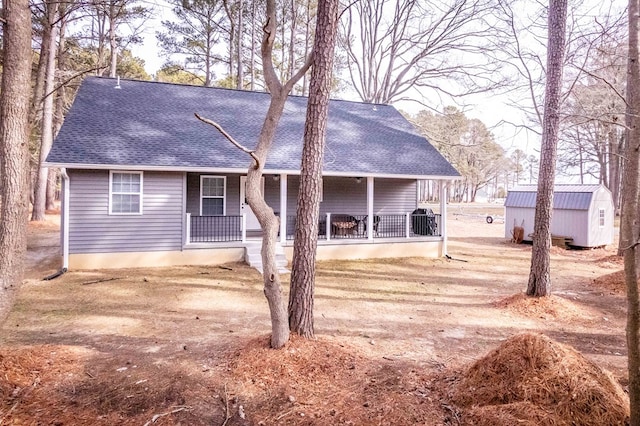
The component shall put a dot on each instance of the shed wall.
(601, 235)
(514, 216)
(581, 223)
(93, 230)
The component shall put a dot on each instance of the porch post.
(283, 208)
(328, 226)
(443, 216)
(187, 231)
(244, 228)
(407, 228)
(66, 194)
(369, 207)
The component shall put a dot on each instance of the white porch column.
(187, 231)
(443, 216)
(66, 194)
(244, 228)
(283, 208)
(370, 207)
(328, 226)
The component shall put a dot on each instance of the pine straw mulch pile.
(533, 380)
(528, 380)
(69, 385)
(549, 308)
(325, 382)
(613, 283)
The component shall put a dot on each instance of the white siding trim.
(66, 187)
(283, 208)
(232, 170)
(112, 213)
(224, 195)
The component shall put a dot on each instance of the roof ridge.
(168, 83)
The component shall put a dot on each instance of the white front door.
(252, 220)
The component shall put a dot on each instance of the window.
(125, 192)
(212, 195)
(601, 218)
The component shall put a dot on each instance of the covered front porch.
(353, 210)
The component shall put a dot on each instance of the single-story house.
(582, 213)
(146, 183)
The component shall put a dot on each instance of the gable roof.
(565, 197)
(150, 125)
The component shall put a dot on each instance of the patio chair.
(376, 224)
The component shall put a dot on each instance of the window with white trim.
(125, 192)
(213, 195)
(601, 218)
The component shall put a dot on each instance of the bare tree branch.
(230, 138)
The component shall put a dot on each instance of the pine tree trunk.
(306, 238)
(14, 149)
(40, 195)
(630, 226)
(268, 220)
(540, 273)
(113, 55)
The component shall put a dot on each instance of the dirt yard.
(187, 345)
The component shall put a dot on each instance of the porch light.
(276, 177)
(358, 179)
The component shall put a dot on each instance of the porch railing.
(346, 226)
(213, 229)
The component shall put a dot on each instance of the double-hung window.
(601, 218)
(125, 193)
(212, 195)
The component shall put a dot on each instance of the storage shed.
(584, 213)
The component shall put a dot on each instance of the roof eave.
(240, 171)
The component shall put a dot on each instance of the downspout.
(64, 225)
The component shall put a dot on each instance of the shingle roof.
(565, 197)
(149, 124)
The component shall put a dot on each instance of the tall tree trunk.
(41, 73)
(268, 220)
(113, 45)
(58, 116)
(303, 272)
(232, 31)
(540, 274)
(40, 195)
(307, 32)
(630, 227)
(239, 85)
(14, 149)
(253, 46)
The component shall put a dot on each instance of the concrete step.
(253, 257)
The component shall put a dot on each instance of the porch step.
(253, 257)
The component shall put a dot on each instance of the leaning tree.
(269, 223)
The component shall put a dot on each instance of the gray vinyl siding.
(343, 196)
(272, 192)
(93, 230)
(394, 196)
(293, 185)
(232, 193)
